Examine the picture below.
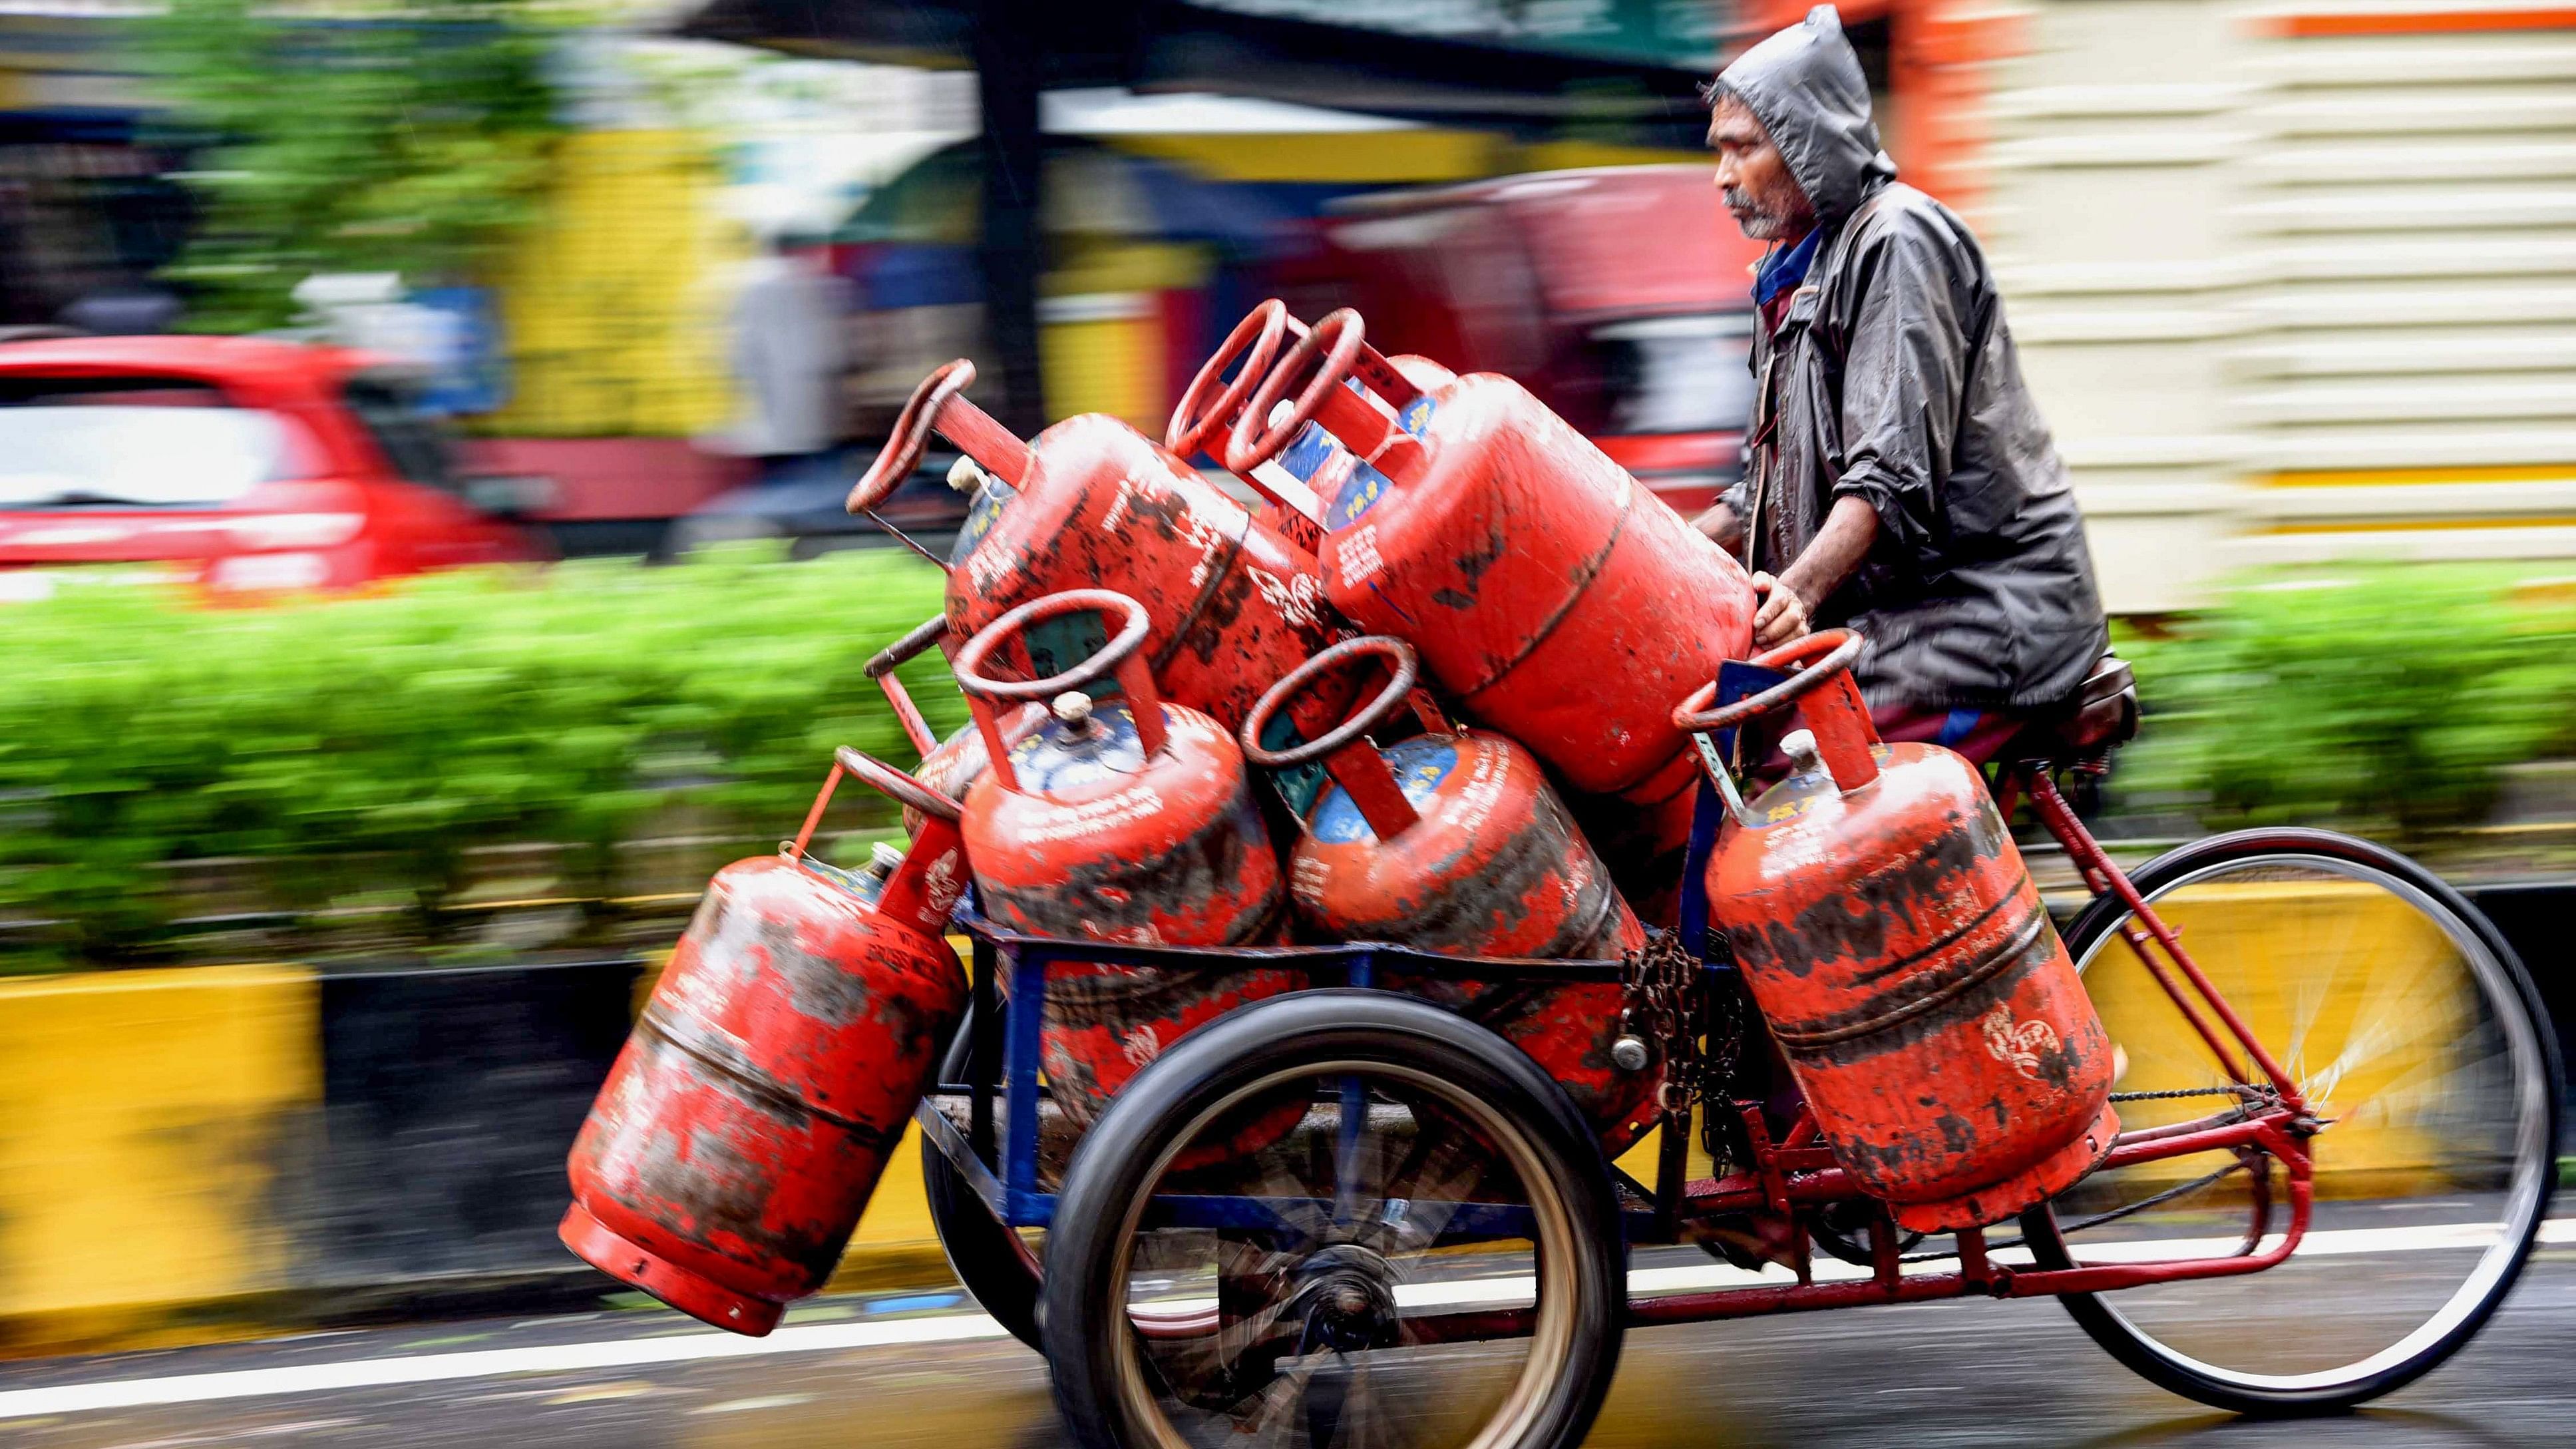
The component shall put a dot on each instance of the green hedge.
(2387, 699)
(576, 706)
(366, 746)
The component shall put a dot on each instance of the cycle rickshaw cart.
(1342, 1216)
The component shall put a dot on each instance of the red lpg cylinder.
(1895, 943)
(1453, 842)
(1549, 594)
(1125, 819)
(1094, 503)
(741, 1131)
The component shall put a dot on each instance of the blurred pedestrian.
(788, 352)
(1899, 477)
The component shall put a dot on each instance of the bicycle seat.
(2099, 717)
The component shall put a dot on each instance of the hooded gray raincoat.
(1892, 378)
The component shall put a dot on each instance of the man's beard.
(1759, 224)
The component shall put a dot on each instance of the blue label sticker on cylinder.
(1420, 764)
(1306, 452)
(1357, 496)
(990, 498)
(1366, 485)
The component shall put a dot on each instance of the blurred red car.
(1621, 296)
(244, 465)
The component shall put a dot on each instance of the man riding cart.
(1900, 480)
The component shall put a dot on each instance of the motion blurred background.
(327, 888)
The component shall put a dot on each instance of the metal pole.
(1013, 252)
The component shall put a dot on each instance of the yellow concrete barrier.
(146, 1120)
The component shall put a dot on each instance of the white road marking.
(959, 1327)
(371, 1373)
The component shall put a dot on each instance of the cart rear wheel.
(2411, 1028)
(1432, 1259)
(998, 1264)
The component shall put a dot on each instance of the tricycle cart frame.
(990, 1157)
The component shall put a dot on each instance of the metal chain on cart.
(1730, 1026)
(1664, 1006)
(1656, 1019)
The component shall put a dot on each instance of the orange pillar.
(1941, 66)
(1940, 55)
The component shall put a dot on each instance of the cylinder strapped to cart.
(1894, 941)
(1551, 595)
(1127, 818)
(1230, 604)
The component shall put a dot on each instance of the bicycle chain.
(2241, 1093)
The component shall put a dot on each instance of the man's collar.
(1782, 268)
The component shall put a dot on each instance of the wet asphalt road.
(2002, 1374)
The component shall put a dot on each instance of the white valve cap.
(884, 856)
(1073, 707)
(1800, 747)
(964, 476)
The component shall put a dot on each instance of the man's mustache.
(1739, 200)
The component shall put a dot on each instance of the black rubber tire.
(1111, 1168)
(981, 1251)
(2107, 1328)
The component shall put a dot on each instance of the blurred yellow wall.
(615, 302)
(1382, 157)
(1102, 340)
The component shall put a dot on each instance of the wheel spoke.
(1436, 1184)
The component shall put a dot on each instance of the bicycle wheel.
(998, 1265)
(1432, 1259)
(2411, 1029)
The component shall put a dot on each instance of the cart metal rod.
(1020, 1063)
(1995, 1281)
(1352, 959)
(1743, 1191)
(944, 1136)
(983, 1049)
(2177, 1129)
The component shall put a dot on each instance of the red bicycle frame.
(1798, 1171)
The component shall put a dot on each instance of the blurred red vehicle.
(245, 465)
(1621, 296)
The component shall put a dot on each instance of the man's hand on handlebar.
(1789, 601)
(1783, 616)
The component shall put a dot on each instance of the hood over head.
(1806, 88)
